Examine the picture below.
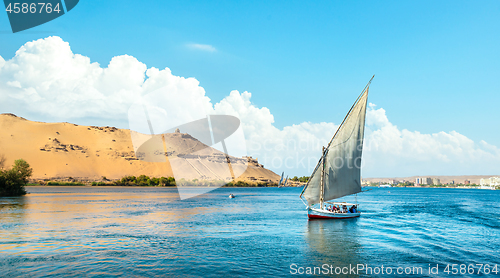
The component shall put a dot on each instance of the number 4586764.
(471, 269)
(33, 8)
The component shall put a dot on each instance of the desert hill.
(62, 150)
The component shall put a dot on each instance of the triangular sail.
(281, 180)
(342, 158)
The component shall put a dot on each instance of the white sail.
(312, 191)
(342, 159)
(281, 180)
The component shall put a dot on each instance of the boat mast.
(322, 182)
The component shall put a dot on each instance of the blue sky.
(436, 62)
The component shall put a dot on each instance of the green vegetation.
(141, 180)
(201, 183)
(61, 183)
(99, 183)
(246, 184)
(12, 181)
(301, 179)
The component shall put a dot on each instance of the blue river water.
(263, 232)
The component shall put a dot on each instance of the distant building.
(254, 161)
(436, 181)
(493, 181)
(417, 181)
(467, 182)
(426, 180)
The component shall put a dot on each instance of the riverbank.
(144, 180)
(435, 186)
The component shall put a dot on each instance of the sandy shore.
(65, 151)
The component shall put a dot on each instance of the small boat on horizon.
(338, 172)
(281, 180)
(280, 185)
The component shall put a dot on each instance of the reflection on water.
(335, 242)
(12, 213)
(12, 208)
(144, 232)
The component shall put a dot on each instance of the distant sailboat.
(286, 181)
(281, 180)
(338, 171)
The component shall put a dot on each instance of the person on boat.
(344, 209)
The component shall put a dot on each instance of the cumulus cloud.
(46, 81)
(390, 150)
(202, 47)
(293, 147)
(46, 78)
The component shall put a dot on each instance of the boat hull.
(325, 214)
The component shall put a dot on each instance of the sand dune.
(62, 150)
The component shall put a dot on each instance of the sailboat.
(338, 172)
(281, 180)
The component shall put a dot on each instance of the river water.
(263, 232)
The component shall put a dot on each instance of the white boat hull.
(314, 213)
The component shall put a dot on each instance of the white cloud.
(46, 78)
(293, 147)
(202, 47)
(47, 81)
(389, 151)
